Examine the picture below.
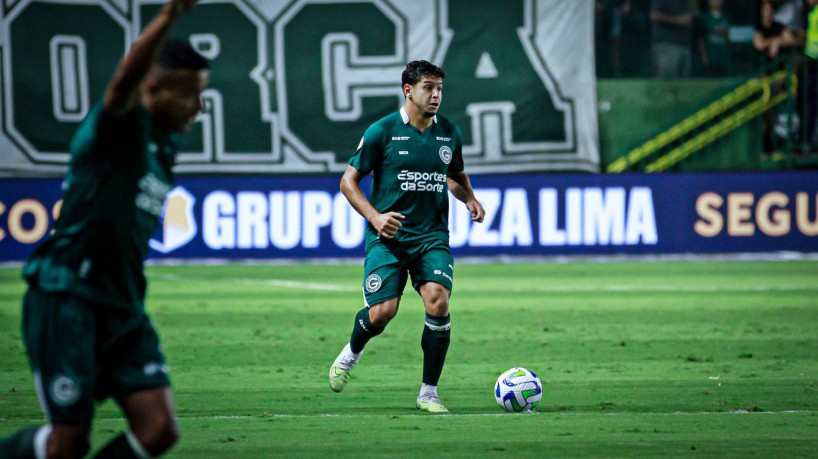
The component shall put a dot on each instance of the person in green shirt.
(714, 39)
(415, 157)
(86, 332)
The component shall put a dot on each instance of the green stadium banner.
(295, 83)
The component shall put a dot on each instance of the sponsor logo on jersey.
(85, 268)
(65, 391)
(403, 152)
(444, 139)
(400, 138)
(151, 195)
(373, 283)
(446, 154)
(421, 181)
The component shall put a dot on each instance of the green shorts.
(81, 352)
(387, 267)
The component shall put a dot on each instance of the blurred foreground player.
(84, 324)
(415, 156)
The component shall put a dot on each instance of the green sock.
(362, 331)
(19, 445)
(435, 344)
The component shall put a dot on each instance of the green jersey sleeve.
(456, 166)
(370, 150)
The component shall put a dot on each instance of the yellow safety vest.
(811, 46)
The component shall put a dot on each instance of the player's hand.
(477, 212)
(387, 224)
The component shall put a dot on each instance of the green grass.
(637, 359)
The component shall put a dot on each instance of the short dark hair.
(179, 54)
(416, 70)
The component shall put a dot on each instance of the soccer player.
(84, 324)
(415, 156)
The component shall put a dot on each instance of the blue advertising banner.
(538, 214)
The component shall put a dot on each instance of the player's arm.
(122, 93)
(460, 186)
(385, 224)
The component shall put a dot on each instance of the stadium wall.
(527, 215)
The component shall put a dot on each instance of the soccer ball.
(518, 390)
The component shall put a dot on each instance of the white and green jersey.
(409, 173)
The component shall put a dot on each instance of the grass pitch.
(637, 359)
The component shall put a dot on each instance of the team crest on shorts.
(445, 154)
(373, 283)
(64, 391)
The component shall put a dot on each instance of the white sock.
(348, 359)
(427, 391)
(40, 440)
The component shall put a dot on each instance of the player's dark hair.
(179, 54)
(416, 70)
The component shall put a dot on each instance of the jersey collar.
(405, 117)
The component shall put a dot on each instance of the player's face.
(426, 95)
(177, 99)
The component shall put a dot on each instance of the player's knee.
(69, 448)
(68, 442)
(381, 314)
(169, 435)
(165, 437)
(75, 449)
(438, 305)
(158, 437)
(435, 299)
(382, 317)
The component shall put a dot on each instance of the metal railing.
(771, 95)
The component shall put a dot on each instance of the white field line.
(511, 288)
(481, 415)
(270, 282)
(662, 288)
(464, 415)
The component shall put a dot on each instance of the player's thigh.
(132, 358)
(59, 333)
(434, 263)
(384, 273)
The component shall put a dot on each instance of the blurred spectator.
(629, 38)
(714, 39)
(769, 39)
(770, 36)
(671, 52)
(811, 79)
(602, 34)
(789, 14)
